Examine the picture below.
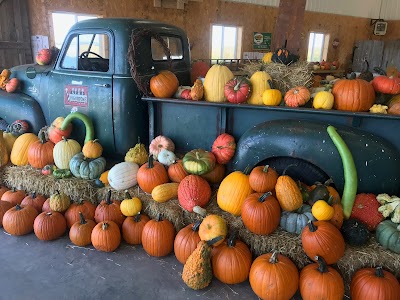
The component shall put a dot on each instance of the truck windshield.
(174, 44)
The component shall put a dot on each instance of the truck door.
(82, 81)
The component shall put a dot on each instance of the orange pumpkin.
(4, 206)
(80, 233)
(106, 236)
(224, 148)
(132, 228)
(12, 85)
(353, 95)
(164, 84)
(211, 227)
(158, 237)
(19, 220)
(34, 200)
(151, 174)
(84, 207)
(109, 210)
(13, 196)
(92, 149)
(186, 241)
(216, 175)
(263, 179)
(297, 96)
(176, 171)
(40, 153)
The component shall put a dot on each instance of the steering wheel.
(85, 54)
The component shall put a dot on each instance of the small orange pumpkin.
(92, 149)
(164, 84)
(297, 96)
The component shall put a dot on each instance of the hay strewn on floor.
(288, 244)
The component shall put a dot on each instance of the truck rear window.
(174, 44)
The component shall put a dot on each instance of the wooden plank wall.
(15, 40)
(197, 17)
(369, 50)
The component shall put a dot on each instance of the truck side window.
(87, 52)
(174, 44)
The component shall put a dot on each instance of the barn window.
(317, 46)
(226, 42)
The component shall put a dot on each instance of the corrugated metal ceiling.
(374, 9)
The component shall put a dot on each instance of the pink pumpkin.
(12, 85)
(44, 57)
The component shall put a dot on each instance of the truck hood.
(30, 77)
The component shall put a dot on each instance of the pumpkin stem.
(328, 182)
(137, 217)
(330, 200)
(271, 85)
(13, 189)
(58, 192)
(33, 195)
(352, 75)
(196, 226)
(108, 197)
(322, 267)
(312, 226)
(289, 166)
(232, 239)
(104, 226)
(42, 137)
(265, 169)
(239, 82)
(214, 240)
(82, 218)
(150, 163)
(247, 170)
(264, 196)
(159, 217)
(127, 195)
(49, 213)
(274, 257)
(200, 211)
(18, 207)
(80, 201)
(379, 272)
(64, 138)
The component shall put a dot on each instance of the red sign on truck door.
(76, 95)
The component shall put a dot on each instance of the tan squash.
(9, 139)
(165, 192)
(259, 82)
(288, 193)
(215, 81)
(19, 152)
(3, 151)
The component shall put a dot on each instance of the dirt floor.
(33, 269)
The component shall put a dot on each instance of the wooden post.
(289, 25)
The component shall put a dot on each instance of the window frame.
(168, 36)
(325, 45)
(238, 39)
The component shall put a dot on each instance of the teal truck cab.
(91, 74)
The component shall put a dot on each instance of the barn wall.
(197, 18)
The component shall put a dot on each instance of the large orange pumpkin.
(4, 206)
(106, 236)
(19, 220)
(353, 95)
(158, 237)
(109, 210)
(186, 241)
(35, 200)
(132, 228)
(164, 84)
(40, 153)
(151, 174)
(86, 208)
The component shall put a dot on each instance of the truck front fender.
(17, 106)
(377, 161)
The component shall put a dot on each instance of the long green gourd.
(85, 119)
(350, 171)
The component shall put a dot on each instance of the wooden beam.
(180, 4)
(15, 45)
(157, 3)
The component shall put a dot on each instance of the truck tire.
(377, 161)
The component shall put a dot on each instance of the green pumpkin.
(85, 168)
(61, 173)
(388, 235)
(295, 221)
(198, 162)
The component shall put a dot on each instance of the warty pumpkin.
(80, 233)
(63, 151)
(59, 201)
(186, 241)
(123, 175)
(109, 210)
(164, 84)
(49, 226)
(193, 191)
(138, 154)
(151, 174)
(164, 192)
(223, 148)
(231, 261)
(261, 213)
(158, 237)
(214, 83)
(319, 281)
(259, 83)
(106, 236)
(232, 192)
(132, 228)
(130, 206)
(277, 272)
(19, 152)
(197, 90)
(84, 207)
(19, 220)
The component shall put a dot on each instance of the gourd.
(165, 192)
(19, 220)
(109, 210)
(322, 211)
(374, 283)
(323, 100)
(231, 261)
(92, 149)
(232, 192)
(86, 121)
(277, 272)
(197, 90)
(35, 200)
(353, 95)
(212, 227)
(151, 174)
(223, 148)
(193, 191)
(63, 151)
(12, 85)
(259, 82)
(130, 206)
(186, 241)
(295, 221)
(59, 202)
(388, 235)
(3, 151)
(123, 175)
(272, 96)
(55, 133)
(80, 233)
(49, 226)
(106, 236)
(132, 228)
(214, 83)
(198, 161)
(237, 90)
(321, 238)
(86, 168)
(288, 193)
(164, 84)
(297, 96)
(263, 179)
(267, 57)
(19, 152)
(137, 154)
(319, 281)
(40, 152)
(84, 207)
(159, 143)
(166, 157)
(261, 213)
(158, 237)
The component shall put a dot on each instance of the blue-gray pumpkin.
(85, 168)
(295, 221)
(388, 235)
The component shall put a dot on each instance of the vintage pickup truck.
(92, 75)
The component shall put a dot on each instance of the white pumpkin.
(123, 175)
(166, 157)
(63, 151)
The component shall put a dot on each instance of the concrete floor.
(33, 269)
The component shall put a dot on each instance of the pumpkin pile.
(10, 85)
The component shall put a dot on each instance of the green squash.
(61, 173)
(85, 168)
(295, 221)
(198, 162)
(388, 235)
